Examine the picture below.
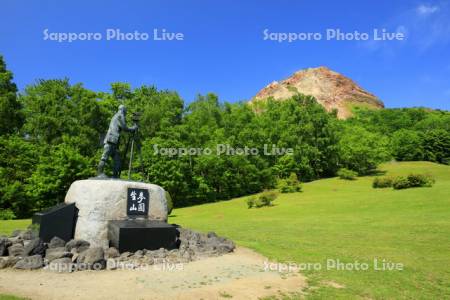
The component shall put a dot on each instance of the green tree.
(58, 168)
(436, 145)
(18, 160)
(54, 108)
(407, 145)
(361, 150)
(11, 117)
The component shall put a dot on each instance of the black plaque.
(133, 235)
(57, 221)
(137, 202)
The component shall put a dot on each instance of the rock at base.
(77, 245)
(4, 244)
(92, 258)
(56, 242)
(61, 265)
(55, 253)
(102, 200)
(8, 262)
(111, 252)
(35, 247)
(16, 250)
(30, 263)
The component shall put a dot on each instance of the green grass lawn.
(347, 221)
(7, 227)
(10, 297)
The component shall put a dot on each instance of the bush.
(346, 174)
(382, 182)
(264, 199)
(7, 214)
(401, 182)
(290, 185)
(250, 201)
(420, 180)
(413, 180)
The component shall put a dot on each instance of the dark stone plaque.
(133, 235)
(57, 221)
(137, 202)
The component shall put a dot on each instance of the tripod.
(134, 141)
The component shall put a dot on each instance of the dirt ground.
(239, 275)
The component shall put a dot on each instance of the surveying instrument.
(134, 142)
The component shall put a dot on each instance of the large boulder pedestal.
(100, 201)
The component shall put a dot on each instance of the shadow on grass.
(376, 173)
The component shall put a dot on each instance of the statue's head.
(123, 109)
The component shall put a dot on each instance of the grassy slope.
(349, 221)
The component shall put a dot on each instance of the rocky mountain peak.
(331, 89)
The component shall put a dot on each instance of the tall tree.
(11, 118)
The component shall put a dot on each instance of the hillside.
(331, 89)
(349, 221)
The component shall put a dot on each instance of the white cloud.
(424, 26)
(426, 9)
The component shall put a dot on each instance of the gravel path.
(238, 275)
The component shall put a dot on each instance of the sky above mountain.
(233, 48)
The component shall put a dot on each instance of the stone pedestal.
(102, 200)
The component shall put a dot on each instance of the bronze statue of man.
(111, 142)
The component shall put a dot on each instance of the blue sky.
(224, 50)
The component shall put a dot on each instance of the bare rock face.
(331, 89)
(102, 200)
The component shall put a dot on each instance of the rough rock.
(61, 265)
(111, 252)
(193, 246)
(16, 250)
(56, 242)
(16, 233)
(3, 261)
(204, 244)
(101, 200)
(29, 234)
(16, 240)
(77, 244)
(4, 244)
(8, 262)
(331, 89)
(35, 247)
(55, 253)
(92, 258)
(30, 263)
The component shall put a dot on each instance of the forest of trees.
(51, 134)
